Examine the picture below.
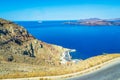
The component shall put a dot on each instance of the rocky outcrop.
(96, 22)
(17, 45)
(65, 57)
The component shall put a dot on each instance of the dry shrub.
(64, 69)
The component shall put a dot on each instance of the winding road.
(110, 72)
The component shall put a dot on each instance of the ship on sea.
(39, 21)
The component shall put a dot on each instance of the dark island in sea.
(96, 22)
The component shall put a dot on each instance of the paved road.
(106, 73)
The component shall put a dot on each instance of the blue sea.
(87, 40)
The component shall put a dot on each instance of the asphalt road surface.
(106, 73)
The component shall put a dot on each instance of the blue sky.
(58, 9)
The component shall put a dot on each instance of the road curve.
(109, 72)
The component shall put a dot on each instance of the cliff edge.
(17, 45)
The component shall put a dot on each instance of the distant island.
(96, 22)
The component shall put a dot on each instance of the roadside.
(87, 71)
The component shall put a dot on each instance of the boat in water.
(39, 21)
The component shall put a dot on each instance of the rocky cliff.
(17, 45)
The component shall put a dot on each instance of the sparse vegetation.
(10, 58)
(48, 70)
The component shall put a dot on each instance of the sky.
(27, 10)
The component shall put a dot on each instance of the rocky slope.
(96, 22)
(17, 45)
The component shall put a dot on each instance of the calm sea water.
(87, 40)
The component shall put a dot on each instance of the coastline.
(81, 73)
(66, 57)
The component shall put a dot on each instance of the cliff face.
(17, 45)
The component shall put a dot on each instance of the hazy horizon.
(31, 10)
